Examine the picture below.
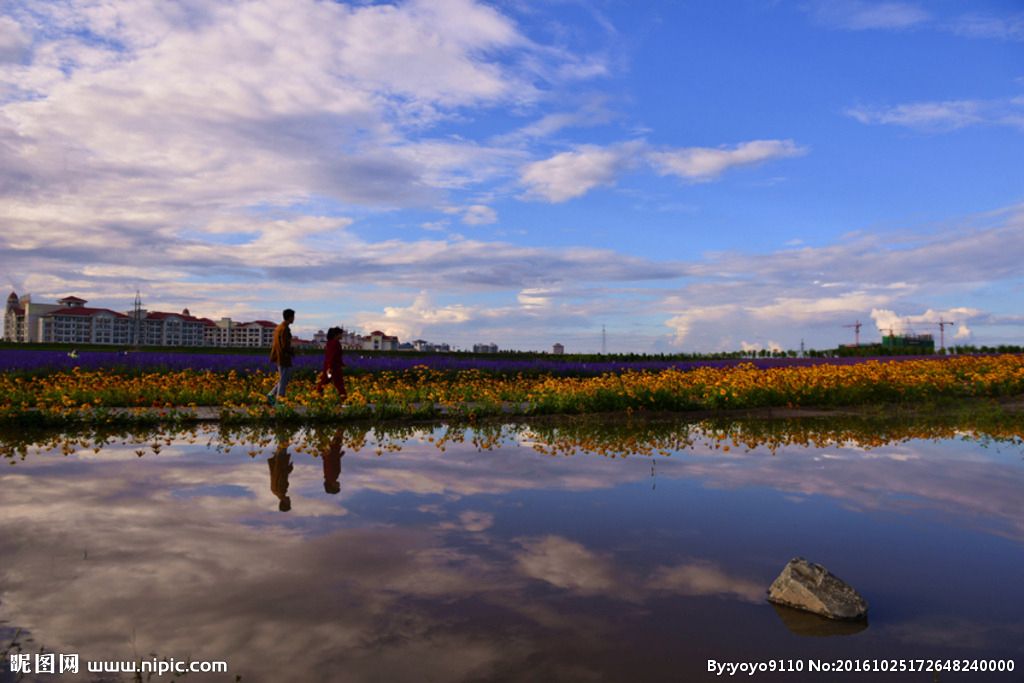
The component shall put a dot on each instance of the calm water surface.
(463, 561)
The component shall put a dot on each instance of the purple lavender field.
(17, 360)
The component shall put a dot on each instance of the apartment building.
(70, 321)
(226, 332)
(378, 341)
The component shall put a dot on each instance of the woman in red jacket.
(333, 364)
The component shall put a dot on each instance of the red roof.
(71, 298)
(160, 315)
(81, 310)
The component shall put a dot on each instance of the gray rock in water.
(808, 586)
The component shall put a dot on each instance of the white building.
(70, 321)
(557, 350)
(227, 332)
(378, 341)
(21, 318)
(485, 348)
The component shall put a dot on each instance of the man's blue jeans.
(284, 373)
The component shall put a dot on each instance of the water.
(511, 552)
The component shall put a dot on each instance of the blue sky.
(692, 176)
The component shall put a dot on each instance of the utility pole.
(604, 341)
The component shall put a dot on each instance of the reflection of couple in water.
(280, 464)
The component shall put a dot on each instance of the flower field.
(44, 361)
(79, 393)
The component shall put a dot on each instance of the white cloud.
(14, 41)
(706, 163)
(594, 112)
(942, 115)
(859, 15)
(945, 115)
(927, 322)
(990, 26)
(410, 321)
(802, 309)
(572, 174)
(683, 323)
(478, 214)
(536, 297)
(812, 292)
(569, 175)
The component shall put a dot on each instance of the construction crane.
(856, 332)
(941, 322)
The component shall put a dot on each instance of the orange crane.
(941, 322)
(856, 331)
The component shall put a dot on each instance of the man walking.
(281, 354)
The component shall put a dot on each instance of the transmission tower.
(604, 341)
(137, 321)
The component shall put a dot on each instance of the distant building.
(351, 341)
(423, 345)
(378, 341)
(909, 343)
(70, 321)
(21, 318)
(485, 348)
(558, 349)
(227, 332)
(169, 329)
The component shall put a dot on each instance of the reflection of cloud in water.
(975, 492)
(105, 560)
(705, 578)
(96, 552)
(476, 521)
(567, 564)
(144, 569)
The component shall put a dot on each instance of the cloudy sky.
(692, 176)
